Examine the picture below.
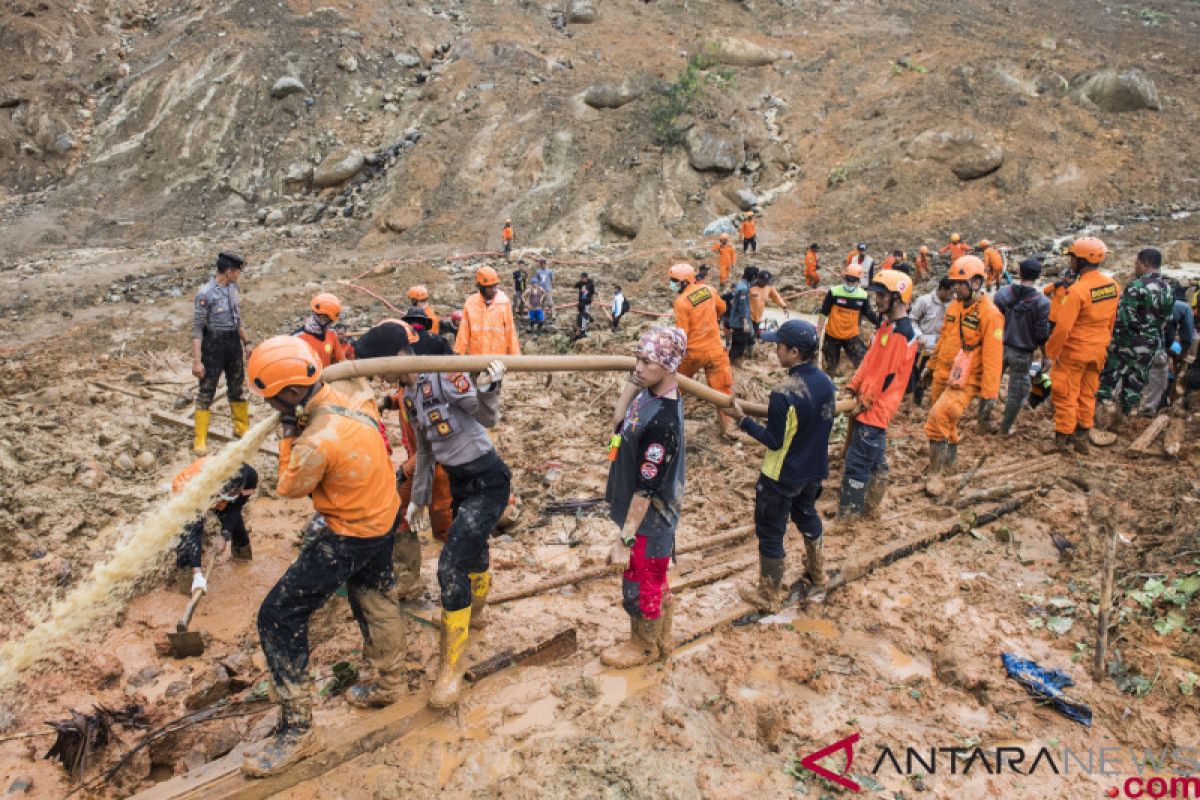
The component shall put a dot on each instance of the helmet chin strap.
(299, 410)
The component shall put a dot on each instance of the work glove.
(199, 582)
(415, 517)
(489, 380)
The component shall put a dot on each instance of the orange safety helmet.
(327, 304)
(966, 268)
(954, 237)
(724, 237)
(852, 271)
(420, 294)
(924, 250)
(892, 280)
(984, 243)
(486, 276)
(279, 362)
(1089, 249)
(682, 272)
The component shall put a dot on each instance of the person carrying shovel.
(226, 513)
(331, 451)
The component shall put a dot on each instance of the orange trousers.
(937, 386)
(440, 515)
(1073, 386)
(717, 372)
(946, 411)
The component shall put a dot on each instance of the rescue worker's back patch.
(1107, 292)
(700, 295)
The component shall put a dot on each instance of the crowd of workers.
(1081, 335)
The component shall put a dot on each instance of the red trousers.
(644, 583)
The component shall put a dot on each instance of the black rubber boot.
(767, 596)
(294, 741)
(242, 553)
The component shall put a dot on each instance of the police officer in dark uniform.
(220, 344)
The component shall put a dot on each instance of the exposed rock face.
(714, 152)
(338, 167)
(968, 153)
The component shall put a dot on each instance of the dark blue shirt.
(799, 420)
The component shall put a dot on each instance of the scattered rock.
(298, 178)
(348, 63)
(733, 51)
(968, 153)
(407, 59)
(611, 95)
(20, 785)
(399, 220)
(581, 12)
(745, 199)
(123, 465)
(338, 167)
(208, 687)
(89, 474)
(144, 676)
(720, 225)
(708, 151)
(62, 144)
(275, 216)
(1116, 92)
(287, 85)
(145, 461)
(108, 668)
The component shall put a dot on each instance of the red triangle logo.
(809, 762)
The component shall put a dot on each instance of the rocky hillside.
(603, 120)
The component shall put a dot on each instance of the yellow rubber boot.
(481, 582)
(200, 436)
(240, 410)
(448, 686)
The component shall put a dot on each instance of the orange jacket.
(983, 329)
(811, 264)
(921, 262)
(748, 229)
(759, 296)
(433, 317)
(1086, 316)
(342, 463)
(726, 258)
(698, 310)
(994, 263)
(507, 233)
(888, 263)
(329, 349)
(487, 329)
(882, 378)
(1056, 292)
(956, 250)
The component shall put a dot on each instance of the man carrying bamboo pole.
(644, 493)
(799, 420)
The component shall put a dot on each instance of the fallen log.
(995, 493)
(1141, 445)
(222, 779)
(560, 645)
(972, 472)
(578, 576)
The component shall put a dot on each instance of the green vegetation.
(680, 98)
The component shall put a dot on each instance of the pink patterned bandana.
(664, 346)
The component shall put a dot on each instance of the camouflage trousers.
(1124, 377)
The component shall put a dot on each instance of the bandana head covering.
(663, 346)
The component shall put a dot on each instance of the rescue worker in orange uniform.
(812, 263)
(394, 338)
(921, 262)
(726, 258)
(1057, 292)
(331, 452)
(957, 248)
(1079, 344)
(318, 332)
(968, 362)
(761, 293)
(418, 295)
(749, 233)
(698, 311)
(487, 326)
(506, 234)
(993, 261)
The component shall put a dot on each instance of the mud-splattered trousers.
(865, 463)
(221, 352)
(364, 565)
(233, 529)
(774, 504)
(480, 491)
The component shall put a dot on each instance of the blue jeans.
(774, 503)
(866, 461)
(537, 315)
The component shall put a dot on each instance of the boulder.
(287, 85)
(581, 12)
(968, 153)
(398, 220)
(338, 167)
(407, 59)
(745, 199)
(1116, 92)
(62, 144)
(733, 51)
(298, 178)
(720, 225)
(611, 95)
(621, 217)
(276, 216)
(715, 152)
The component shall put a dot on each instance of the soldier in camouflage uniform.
(1142, 316)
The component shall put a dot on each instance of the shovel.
(185, 643)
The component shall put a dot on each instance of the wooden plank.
(560, 645)
(181, 422)
(1142, 443)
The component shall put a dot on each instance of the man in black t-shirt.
(644, 494)
(585, 289)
